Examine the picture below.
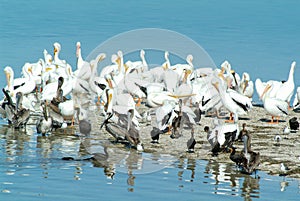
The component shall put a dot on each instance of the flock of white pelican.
(175, 94)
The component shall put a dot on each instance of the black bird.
(216, 148)
(21, 115)
(239, 159)
(191, 142)
(197, 112)
(124, 132)
(243, 132)
(177, 122)
(248, 160)
(294, 124)
(85, 126)
(155, 132)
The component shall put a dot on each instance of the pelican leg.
(230, 118)
(272, 121)
(289, 107)
(169, 130)
(98, 101)
(277, 119)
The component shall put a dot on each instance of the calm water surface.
(261, 37)
(32, 169)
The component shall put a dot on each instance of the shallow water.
(32, 169)
(261, 37)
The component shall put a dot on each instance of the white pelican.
(274, 106)
(36, 70)
(25, 85)
(49, 90)
(140, 66)
(231, 74)
(110, 68)
(83, 67)
(223, 135)
(93, 78)
(206, 94)
(179, 68)
(171, 80)
(285, 92)
(60, 64)
(80, 61)
(236, 103)
(260, 87)
(296, 103)
(56, 59)
(134, 89)
(166, 114)
(156, 99)
(156, 74)
(246, 86)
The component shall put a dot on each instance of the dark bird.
(44, 124)
(191, 142)
(243, 132)
(124, 132)
(294, 124)
(84, 124)
(238, 158)
(7, 105)
(155, 132)
(20, 116)
(253, 158)
(197, 112)
(213, 141)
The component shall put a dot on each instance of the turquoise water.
(31, 169)
(260, 37)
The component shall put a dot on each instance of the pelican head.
(166, 55)
(57, 47)
(78, 46)
(224, 64)
(206, 129)
(118, 60)
(101, 57)
(9, 73)
(267, 88)
(142, 53)
(189, 60)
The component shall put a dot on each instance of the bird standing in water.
(191, 142)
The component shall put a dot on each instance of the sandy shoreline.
(272, 154)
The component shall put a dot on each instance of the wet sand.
(272, 154)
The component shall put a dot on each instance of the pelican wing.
(241, 100)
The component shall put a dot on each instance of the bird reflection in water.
(283, 185)
(185, 165)
(133, 161)
(101, 156)
(222, 174)
(16, 140)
